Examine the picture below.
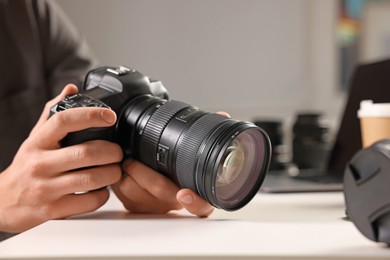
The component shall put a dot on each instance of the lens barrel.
(223, 160)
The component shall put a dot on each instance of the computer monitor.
(369, 81)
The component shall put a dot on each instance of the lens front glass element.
(240, 168)
(232, 164)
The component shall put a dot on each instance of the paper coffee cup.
(374, 121)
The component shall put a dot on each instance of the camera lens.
(223, 160)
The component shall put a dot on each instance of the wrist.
(4, 205)
(2, 196)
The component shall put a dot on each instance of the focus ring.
(188, 152)
(153, 130)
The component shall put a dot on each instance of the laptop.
(369, 81)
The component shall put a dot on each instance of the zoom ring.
(154, 128)
(188, 152)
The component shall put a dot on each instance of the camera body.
(224, 160)
(115, 86)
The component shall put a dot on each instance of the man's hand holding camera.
(65, 164)
(43, 178)
(46, 181)
(143, 190)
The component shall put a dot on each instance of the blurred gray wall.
(251, 58)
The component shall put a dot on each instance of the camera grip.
(96, 133)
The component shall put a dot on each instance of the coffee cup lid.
(369, 109)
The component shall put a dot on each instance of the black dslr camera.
(224, 160)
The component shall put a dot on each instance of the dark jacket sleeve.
(40, 52)
(66, 54)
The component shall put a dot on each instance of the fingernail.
(108, 116)
(186, 199)
(72, 87)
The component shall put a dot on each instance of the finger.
(194, 203)
(68, 89)
(72, 120)
(91, 153)
(86, 179)
(147, 178)
(138, 200)
(75, 204)
(223, 114)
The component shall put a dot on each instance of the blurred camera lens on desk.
(274, 129)
(311, 141)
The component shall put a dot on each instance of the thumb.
(222, 113)
(68, 90)
(194, 203)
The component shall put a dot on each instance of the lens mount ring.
(191, 147)
(154, 128)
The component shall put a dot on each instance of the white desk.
(277, 226)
